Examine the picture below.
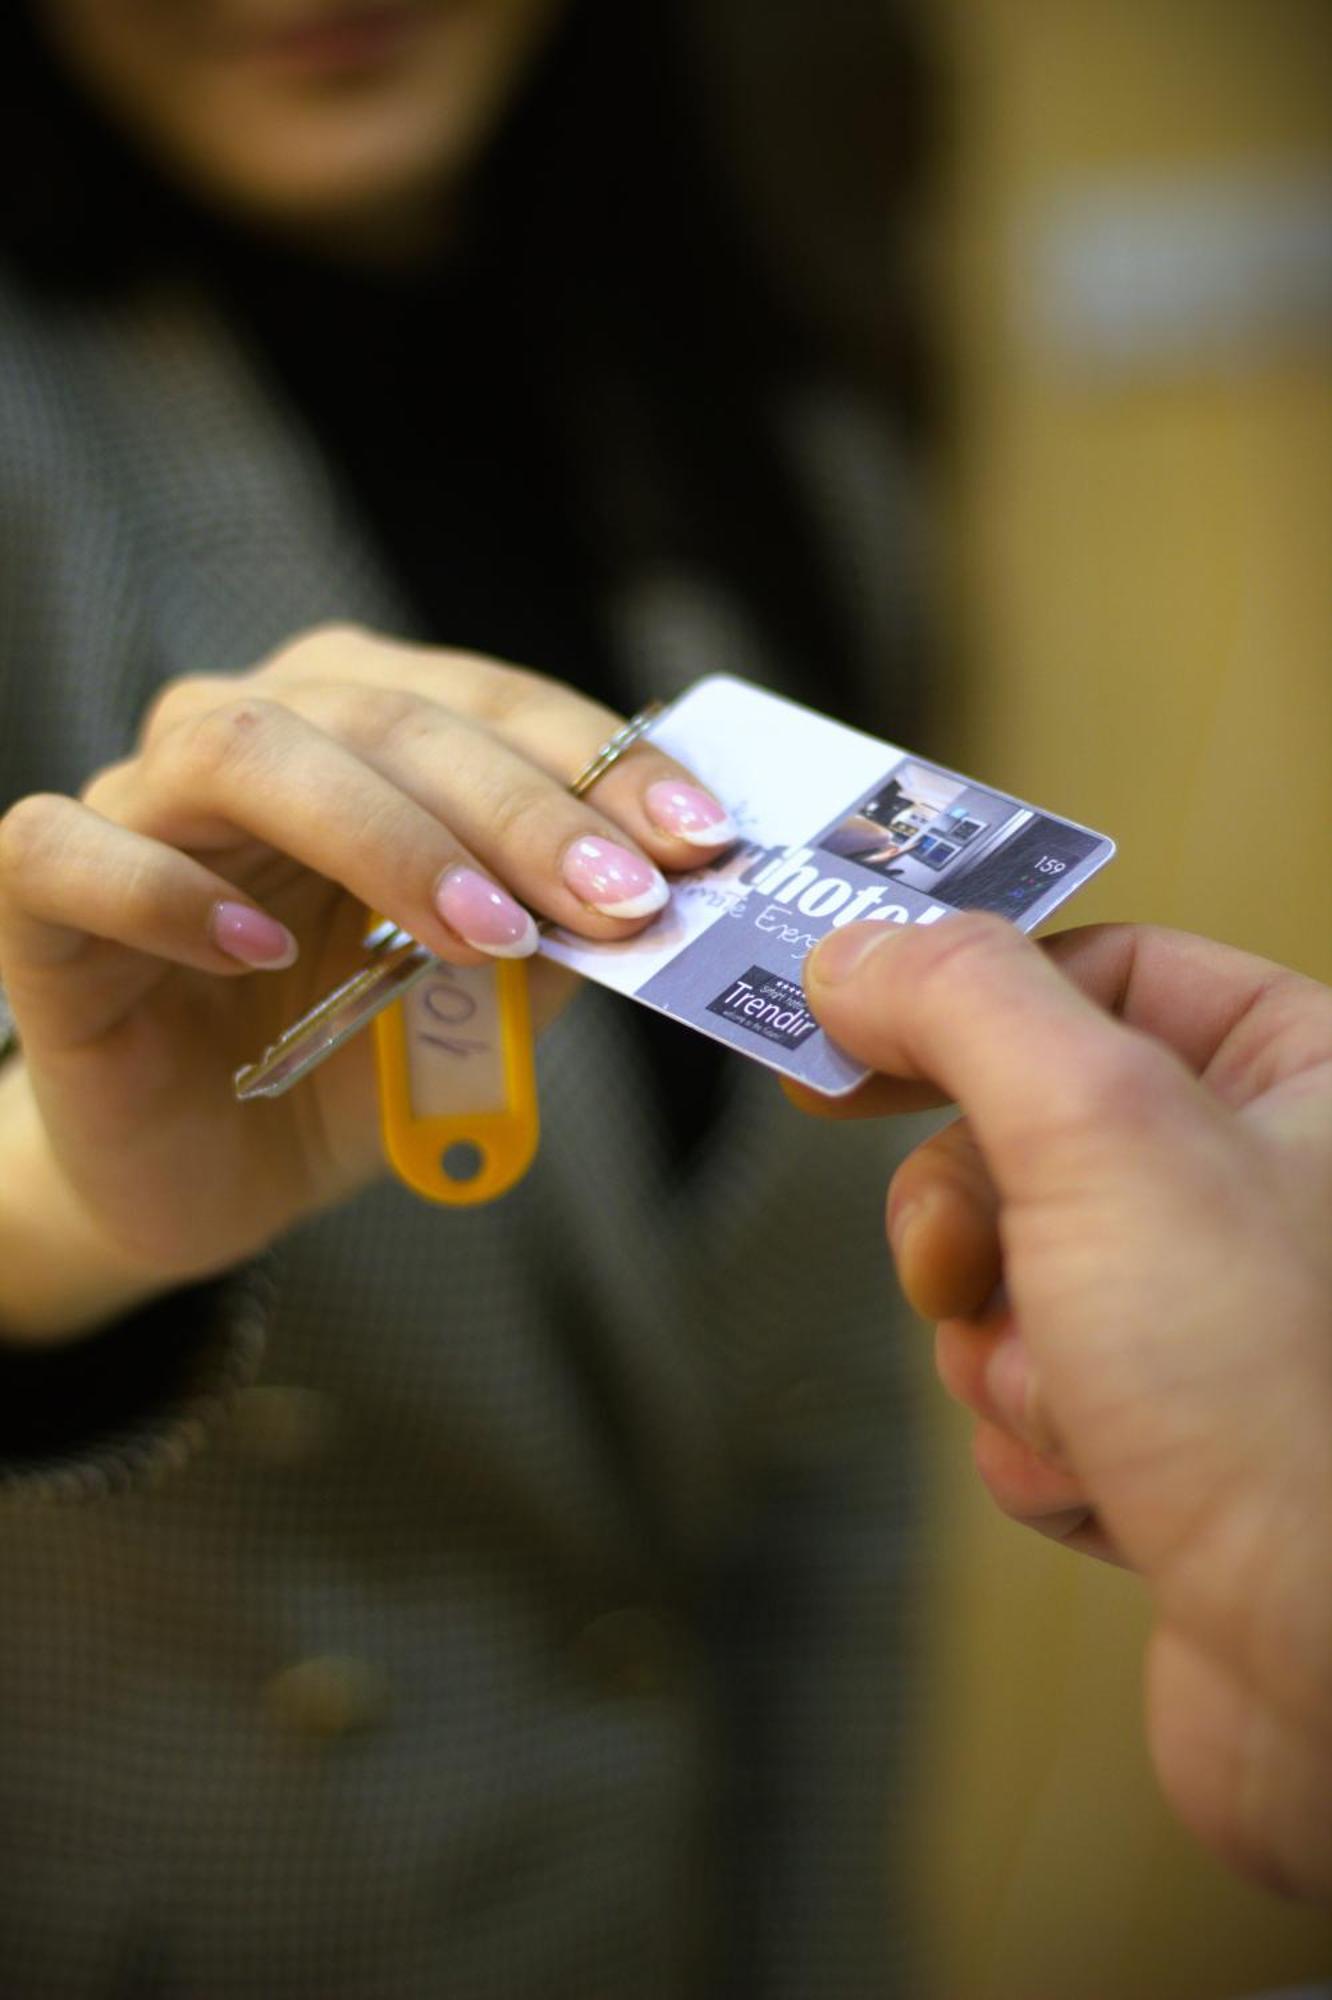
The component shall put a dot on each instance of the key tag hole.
(462, 1161)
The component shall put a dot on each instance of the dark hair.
(78, 210)
(802, 129)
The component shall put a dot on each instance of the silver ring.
(614, 748)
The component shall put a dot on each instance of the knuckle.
(520, 817)
(964, 946)
(1139, 1077)
(1127, 1087)
(139, 894)
(32, 833)
(371, 716)
(102, 786)
(319, 649)
(951, 1162)
(217, 740)
(1123, 1082)
(504, 693)
(182, 696)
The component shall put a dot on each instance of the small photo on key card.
(835, 828)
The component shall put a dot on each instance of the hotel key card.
(834, 827)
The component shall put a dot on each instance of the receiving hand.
(1126, 1244)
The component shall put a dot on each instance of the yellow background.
(1133, 580)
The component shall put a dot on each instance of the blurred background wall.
(1132, 280)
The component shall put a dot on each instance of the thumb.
(1050, 1083)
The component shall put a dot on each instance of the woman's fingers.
(68, 876)
(252, 770)
(560, 855)
(646, 794)
(400, 802)
(451, 815)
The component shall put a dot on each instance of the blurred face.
(349, 121)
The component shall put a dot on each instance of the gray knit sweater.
(500, 1603)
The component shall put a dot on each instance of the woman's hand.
(1126, 1246)
(162, 930)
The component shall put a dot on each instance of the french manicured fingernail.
(687, 813)
(252, 937)
(612, 880)
(842, 953)
(485, 915)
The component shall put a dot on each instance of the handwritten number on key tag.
(457, 1083)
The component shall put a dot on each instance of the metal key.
(397, 963)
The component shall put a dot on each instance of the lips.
(336, 38)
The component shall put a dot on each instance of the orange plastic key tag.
(457, 1082)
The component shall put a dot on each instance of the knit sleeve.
(119, 1411)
